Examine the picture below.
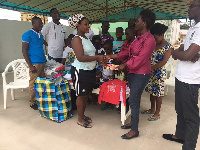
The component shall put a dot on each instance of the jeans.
(186, 105)
(59, 60)
(137, 83)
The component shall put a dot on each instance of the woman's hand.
(122, 67)
(101, 59)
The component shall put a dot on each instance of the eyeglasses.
(192, 6)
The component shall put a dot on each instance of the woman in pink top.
(138, 66)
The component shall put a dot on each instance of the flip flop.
(154, 118)
(146, 112)
(88, 119)
(85, 125)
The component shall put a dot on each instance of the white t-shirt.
(88, 35)
(188, 71)
(56, 35)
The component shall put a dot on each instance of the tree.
(184, 26)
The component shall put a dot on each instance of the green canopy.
(101, 10)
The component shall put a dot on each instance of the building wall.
(10, 40)
(28, 16)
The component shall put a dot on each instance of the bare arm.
(45, 43)
(187, 55)
(79, 52)
(164, 61)
(26, 57)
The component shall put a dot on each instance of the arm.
(45, 43)
(187, 55)
(164, 60)
(79, 52)
(26, 57)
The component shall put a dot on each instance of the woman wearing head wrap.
(83, 68)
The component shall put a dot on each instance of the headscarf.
(73, 21)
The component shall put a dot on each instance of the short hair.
(34, 19)
(52, 10)
(105, 22)
(120, 28)
(132, 29)
(96, 37)
(108, 42)
(79, 22)
(158, 29)
(71, 36)
(148, 16)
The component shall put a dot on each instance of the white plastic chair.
(171, 65)
(21, 78)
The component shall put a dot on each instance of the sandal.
(88, 119)
(154, 118)
(85, 125)
(146, 112)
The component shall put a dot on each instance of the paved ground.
(22, 128)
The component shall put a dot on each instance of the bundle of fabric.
(53, 98)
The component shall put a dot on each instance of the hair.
(105, 22)
(79, 22)
(148, 16)
(120, 28)
(71, 36)
(132, 29)
(52, 10)
(108, 42)
(96, 37)
(158, 29)
(34, 19)
(134, 20)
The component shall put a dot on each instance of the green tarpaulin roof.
(100, 10)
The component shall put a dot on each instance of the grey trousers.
(188, 121)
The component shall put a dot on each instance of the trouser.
(186, 105)
(137, 83)
(59, 60)
(33, 76)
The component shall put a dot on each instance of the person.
(159, 58)
(68, 54)
(118, 43)
(88, 35)
(187, 83)
(96, 41)
(83, 70)
(131, 23)
(105, 34)
(56, 34)
(33, 52)
(139, 67)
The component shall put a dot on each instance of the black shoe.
(126, 137)
(169, 137)
(34, 106)
(125, 127)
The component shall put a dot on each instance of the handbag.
(53, 98)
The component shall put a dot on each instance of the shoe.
(126, 137)
(154, 118)
(34, 106)
(169, 137)
(85, 125)
(125, 127)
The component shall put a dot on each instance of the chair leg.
(5, 97)
(12, 94)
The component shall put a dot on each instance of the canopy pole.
(134, 12)
(106, 10)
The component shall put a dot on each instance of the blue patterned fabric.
(54, 100)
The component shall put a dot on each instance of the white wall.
(10, 40)
(175, 35)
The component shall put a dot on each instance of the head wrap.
(196, 2)
(73, 21)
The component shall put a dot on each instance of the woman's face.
(129, 35)
(158, 38)
(84, 26)
(139, 24)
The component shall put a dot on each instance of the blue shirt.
(35, 49)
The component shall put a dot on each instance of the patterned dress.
(156, 83)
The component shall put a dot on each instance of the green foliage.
(184, 26)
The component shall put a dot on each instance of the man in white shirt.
(187, 84)
(88, 35)
(56, 34)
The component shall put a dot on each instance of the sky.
(15, 15)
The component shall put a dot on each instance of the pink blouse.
(139, 54)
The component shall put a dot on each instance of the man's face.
(55, 15)
(105, 27)
(194, 10)
(38, 24)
